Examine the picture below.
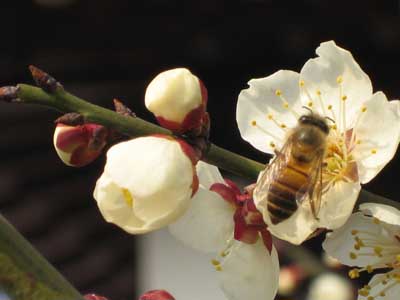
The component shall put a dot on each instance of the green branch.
(25, 274)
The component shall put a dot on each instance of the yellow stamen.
(329, 107)
(215, 262)
(301, 83)
(363, 109)
(339, 79)
(376, 221)
(270, 116)
(369, 269)
(278, 92)
(318, 92)
(373, 151)
(218, 268)
(127, 197)
(272, 144)
(354, 232)
(363, 292)
(353, 255)
(253, 123)
(310, 104)
(344, 97)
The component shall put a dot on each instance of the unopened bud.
(178, 100)
(94, 297)
(289, 279)
(156, 295)
(79, 145)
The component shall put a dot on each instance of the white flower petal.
(378, 131)
(207, 224)
(391, 289)
(208, 174)
(250, 272)
(322, 73)
(385, 213)
(155, 171)
(260, 100)
(340, 243)
(336, 206)
(113, 206)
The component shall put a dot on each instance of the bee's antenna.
(330, 119)
(309, 109)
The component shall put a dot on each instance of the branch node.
(71, 119)
(44, 80)
(122, 109)
(9, 94)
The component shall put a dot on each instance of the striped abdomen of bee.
(286, 188)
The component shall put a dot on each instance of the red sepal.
(243, 232)
(233, 186)
(225, 192)
(267, 239)
(251, 214)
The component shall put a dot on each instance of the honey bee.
(295, 174)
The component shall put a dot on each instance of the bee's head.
(315, 120)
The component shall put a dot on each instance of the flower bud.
(79, 145)
(94, 297)
(147, 183)
(178, 100)
(330, 286)
(156, 295)
(289, 279)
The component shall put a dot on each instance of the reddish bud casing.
(79, 145)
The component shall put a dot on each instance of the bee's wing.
(274, 168)
(312, 191)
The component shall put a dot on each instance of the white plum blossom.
(147, 183)
(370, 240)
(364, 132)
(246, 270)
(178, 99)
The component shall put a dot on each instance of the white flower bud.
(147, 183)
(178, 99)
(330, 286)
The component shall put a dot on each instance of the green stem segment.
(25, 274)
(134, 127)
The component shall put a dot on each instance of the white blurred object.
(330, 286)
(54, 3)
(164, 263)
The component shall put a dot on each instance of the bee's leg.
(277, 152)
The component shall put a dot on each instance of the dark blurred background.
(100, 49)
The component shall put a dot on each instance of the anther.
(378, 251)
(310, 104)
(215, 262)
(285, 105)
(344, 97)
(283, 125)
(318, 92)
(329, 107)
(370, 298)
(354, 273)
(218, 268)
(278, 92)
(270, 116)
(370, 269)
(382, 294)
(253, 123)
(272, 144)
(363, 109)
(354, 232)
(373, 151)
(376, 220)
(353, 255)
(339, 79)
(301, 83)
(363, 292)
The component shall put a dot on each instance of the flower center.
(383, 247)
(127, 197)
